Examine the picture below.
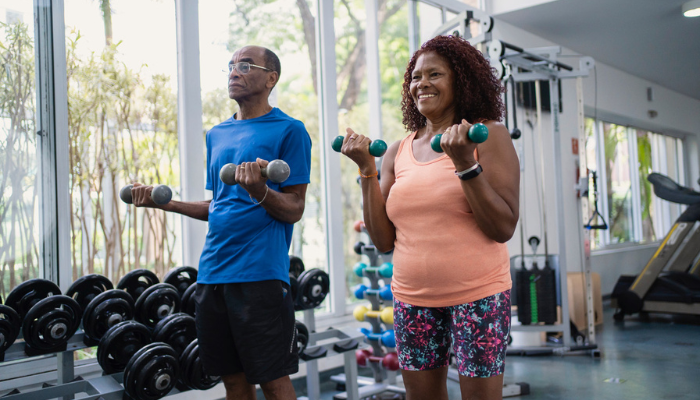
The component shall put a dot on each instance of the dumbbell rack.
(383, 380)
(335, 342)
(108, 387)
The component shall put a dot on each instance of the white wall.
(621, 98)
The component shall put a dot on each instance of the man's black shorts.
(247, 327)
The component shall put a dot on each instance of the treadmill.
(670, 281)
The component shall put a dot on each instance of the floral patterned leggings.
(477, 332)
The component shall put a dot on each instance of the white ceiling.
(650, 39)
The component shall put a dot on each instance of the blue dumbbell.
(360, 291)
(384, 292)
(386, 338)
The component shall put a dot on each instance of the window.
(626, 198)
(618, 184)
(20, 238)
(122, 104)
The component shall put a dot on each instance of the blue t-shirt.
(244, 243)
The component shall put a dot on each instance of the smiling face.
(431, 86)
(257, 82)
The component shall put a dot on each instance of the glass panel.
(473, 3)
(617, 165)
(592, 163)
(122, 108)
(19, 184)
(353, 112)
(353, 104)
(429, 19)
(646, 190)
(287, 27)
(674, 172)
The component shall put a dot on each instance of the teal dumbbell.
(478, 133)
(161, 194)
(377, 148)
(386, 270)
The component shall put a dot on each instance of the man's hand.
(141, 196)
(249, 176)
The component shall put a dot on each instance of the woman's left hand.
(456, 144)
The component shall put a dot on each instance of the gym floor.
(656, 358)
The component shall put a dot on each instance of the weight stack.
(546, 288)
(523, 294)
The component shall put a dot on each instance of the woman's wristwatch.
(470, 172)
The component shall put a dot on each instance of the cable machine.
(512, 62)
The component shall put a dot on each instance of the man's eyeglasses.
(244, 67)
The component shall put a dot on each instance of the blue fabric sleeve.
(296, 151)
(209, 185)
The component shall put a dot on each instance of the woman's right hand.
(356, 148)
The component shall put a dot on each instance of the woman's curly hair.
(477, 91)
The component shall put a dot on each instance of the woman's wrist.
(368, 170)
(464, 164)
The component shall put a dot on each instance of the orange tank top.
(441, 257)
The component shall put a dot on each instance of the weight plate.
(151, 373)
(136, 281)
(104, 311)
(120, 343)
(10, 324)
(314, 285)
(25, 295)
(302, 336)
(188, 303)
(85, 288)
(192, 373)
(182, 278)
(50, 323)
(177, 330)
(156, 303)
(296, 266)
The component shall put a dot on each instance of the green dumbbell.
(377, 148)
(161, 194)
(478, 133)
(277, 171)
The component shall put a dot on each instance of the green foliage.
(19, 256)
(122, 128)
(645, 187)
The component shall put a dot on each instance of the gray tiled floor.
(654, 359)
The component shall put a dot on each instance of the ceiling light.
(692, 8)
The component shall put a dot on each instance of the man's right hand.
(141, 196)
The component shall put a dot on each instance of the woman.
(451, 279)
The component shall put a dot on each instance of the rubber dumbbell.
(389, 362)
(386, 338)
(359, 225)
(161, 194)
(358, 247)
(377, 148)
(277, 171)
(478, 133)
(386, 315)
(386, 270)
(361, 291)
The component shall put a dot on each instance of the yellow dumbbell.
(386, 315)
(359, 313)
